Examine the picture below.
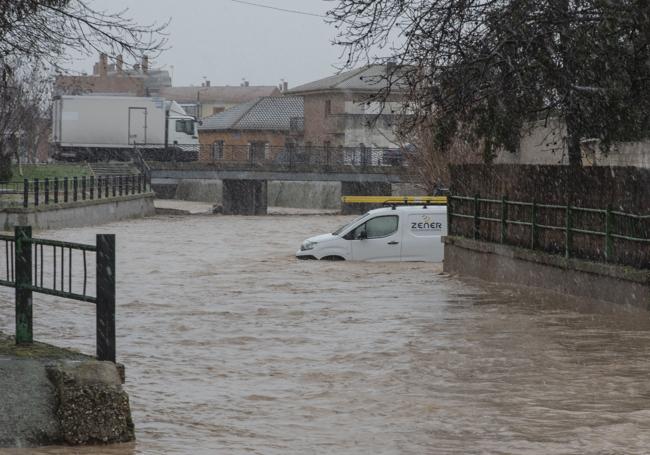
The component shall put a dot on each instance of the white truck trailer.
(100, 127)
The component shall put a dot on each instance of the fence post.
(608, 233)
(47, 191)
(75, 187)
(25, 192)
(83, 187)
(65, 189)
(106, 177)
(56, 190)
(450, 214)
(533, 225)
(477, 221)
(36, 188)
(113, 185)
(504, 217)
(23, 267)
(568, 233)
(105, 293)
(139, 183)
(119, 183)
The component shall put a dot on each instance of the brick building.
(114, 78)
(260, 130)
(337, 111)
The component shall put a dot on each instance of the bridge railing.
(598, 234)
(64, 190)
(61, 269)
(289, 156)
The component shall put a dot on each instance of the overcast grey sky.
(225, 41)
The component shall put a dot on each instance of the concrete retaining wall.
(508, 264)
(309, 195)
(56, 396)
(79, 213)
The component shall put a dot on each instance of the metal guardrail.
(48, 266)
(606, 218)
(288, 155)
(56, 190)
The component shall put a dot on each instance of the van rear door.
(421, 238)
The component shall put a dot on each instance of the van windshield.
(342, 228)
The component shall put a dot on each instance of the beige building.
(207, 100)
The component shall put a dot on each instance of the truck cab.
(398, 233)
(181, 128)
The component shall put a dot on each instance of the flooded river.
(233, 346)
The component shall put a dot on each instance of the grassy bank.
(41, 171)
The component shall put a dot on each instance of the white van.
(398, 233)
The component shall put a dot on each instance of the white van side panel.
(421, 236)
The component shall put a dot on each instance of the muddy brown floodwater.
(233, 346)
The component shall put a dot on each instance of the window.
(217, 110)
(185, 126)
(257, 151)
(328, 107)
(381, 226)
(217, 150)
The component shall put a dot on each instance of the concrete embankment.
(509, 264)
(293, 194)
(56, 396)
(79, 213)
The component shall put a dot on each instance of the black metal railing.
(47, 191)
(61, 269)
(607, 235)
(289, 156)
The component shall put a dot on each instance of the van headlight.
(307, 245)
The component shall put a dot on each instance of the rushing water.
(233, 346)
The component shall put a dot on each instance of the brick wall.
(236, 143)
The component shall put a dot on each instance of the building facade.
(262, 130)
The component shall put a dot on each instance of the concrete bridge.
(245, 185)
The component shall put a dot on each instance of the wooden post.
(83, 187)
(91, 185)
(47, 191)
(23, 267)
(105, 283)
(65, 189)
(75, 187)
(56, 190)
(450, 214)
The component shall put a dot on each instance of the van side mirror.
(363, 235)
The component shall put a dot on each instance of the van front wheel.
(332, 258)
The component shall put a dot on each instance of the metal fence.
(56, 190)
(261, 154)
(61, 269)
(605, 235)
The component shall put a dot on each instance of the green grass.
(41, 171)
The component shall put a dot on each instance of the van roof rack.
(395, 200)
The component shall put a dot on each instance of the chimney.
(145, 64)
(285, 86)
(103, 65)
(246, 83)
(207, 83)
(119, 64)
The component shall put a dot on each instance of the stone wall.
(79, 213)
